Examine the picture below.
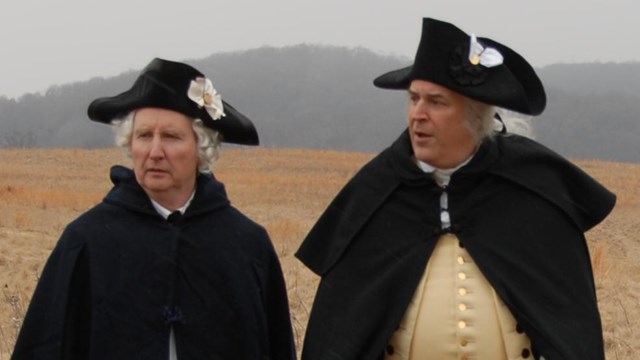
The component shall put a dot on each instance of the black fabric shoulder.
(46, 315)
(347, 213)
(541, 170)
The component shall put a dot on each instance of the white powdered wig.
(516, 123)
(208, 140)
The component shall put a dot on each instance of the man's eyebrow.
(433, 95)
(412, 92)
(141, 129)
(436, 95)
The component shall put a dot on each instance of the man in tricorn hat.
(164, 267)
(459, 241)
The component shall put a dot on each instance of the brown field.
(41, 190)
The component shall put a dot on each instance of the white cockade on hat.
(202, 92)
(487, 57)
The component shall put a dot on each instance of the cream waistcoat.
(456, 314)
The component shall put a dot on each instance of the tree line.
(315, 96)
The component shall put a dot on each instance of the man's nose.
(419, 111)
(156, 151)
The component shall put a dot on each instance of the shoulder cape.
(518, 207)
(121, 276)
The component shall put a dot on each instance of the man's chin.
(423, 155)
(155, 186)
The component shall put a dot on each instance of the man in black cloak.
(164, 267)
(459, 241)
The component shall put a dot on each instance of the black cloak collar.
(527, 163)
(126, 192)
(514, 158)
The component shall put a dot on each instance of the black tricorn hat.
(444, 57)
(178, 87)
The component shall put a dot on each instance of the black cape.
(121, 276)
(517, 207)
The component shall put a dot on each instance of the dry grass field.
(41, 190)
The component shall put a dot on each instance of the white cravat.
(442, 177)
(164, 212)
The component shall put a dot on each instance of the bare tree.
(19, 139)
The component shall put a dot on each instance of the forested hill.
(323, 97)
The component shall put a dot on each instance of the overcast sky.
(45, 42)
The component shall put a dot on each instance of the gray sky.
(44, 42)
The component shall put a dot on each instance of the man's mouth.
(421, 135)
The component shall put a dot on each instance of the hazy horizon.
(53, 43)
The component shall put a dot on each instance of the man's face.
(164, 153)
(440, 135)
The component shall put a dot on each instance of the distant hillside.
(593, 78)
(593, 110)
(311, 96)
(323, 97)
